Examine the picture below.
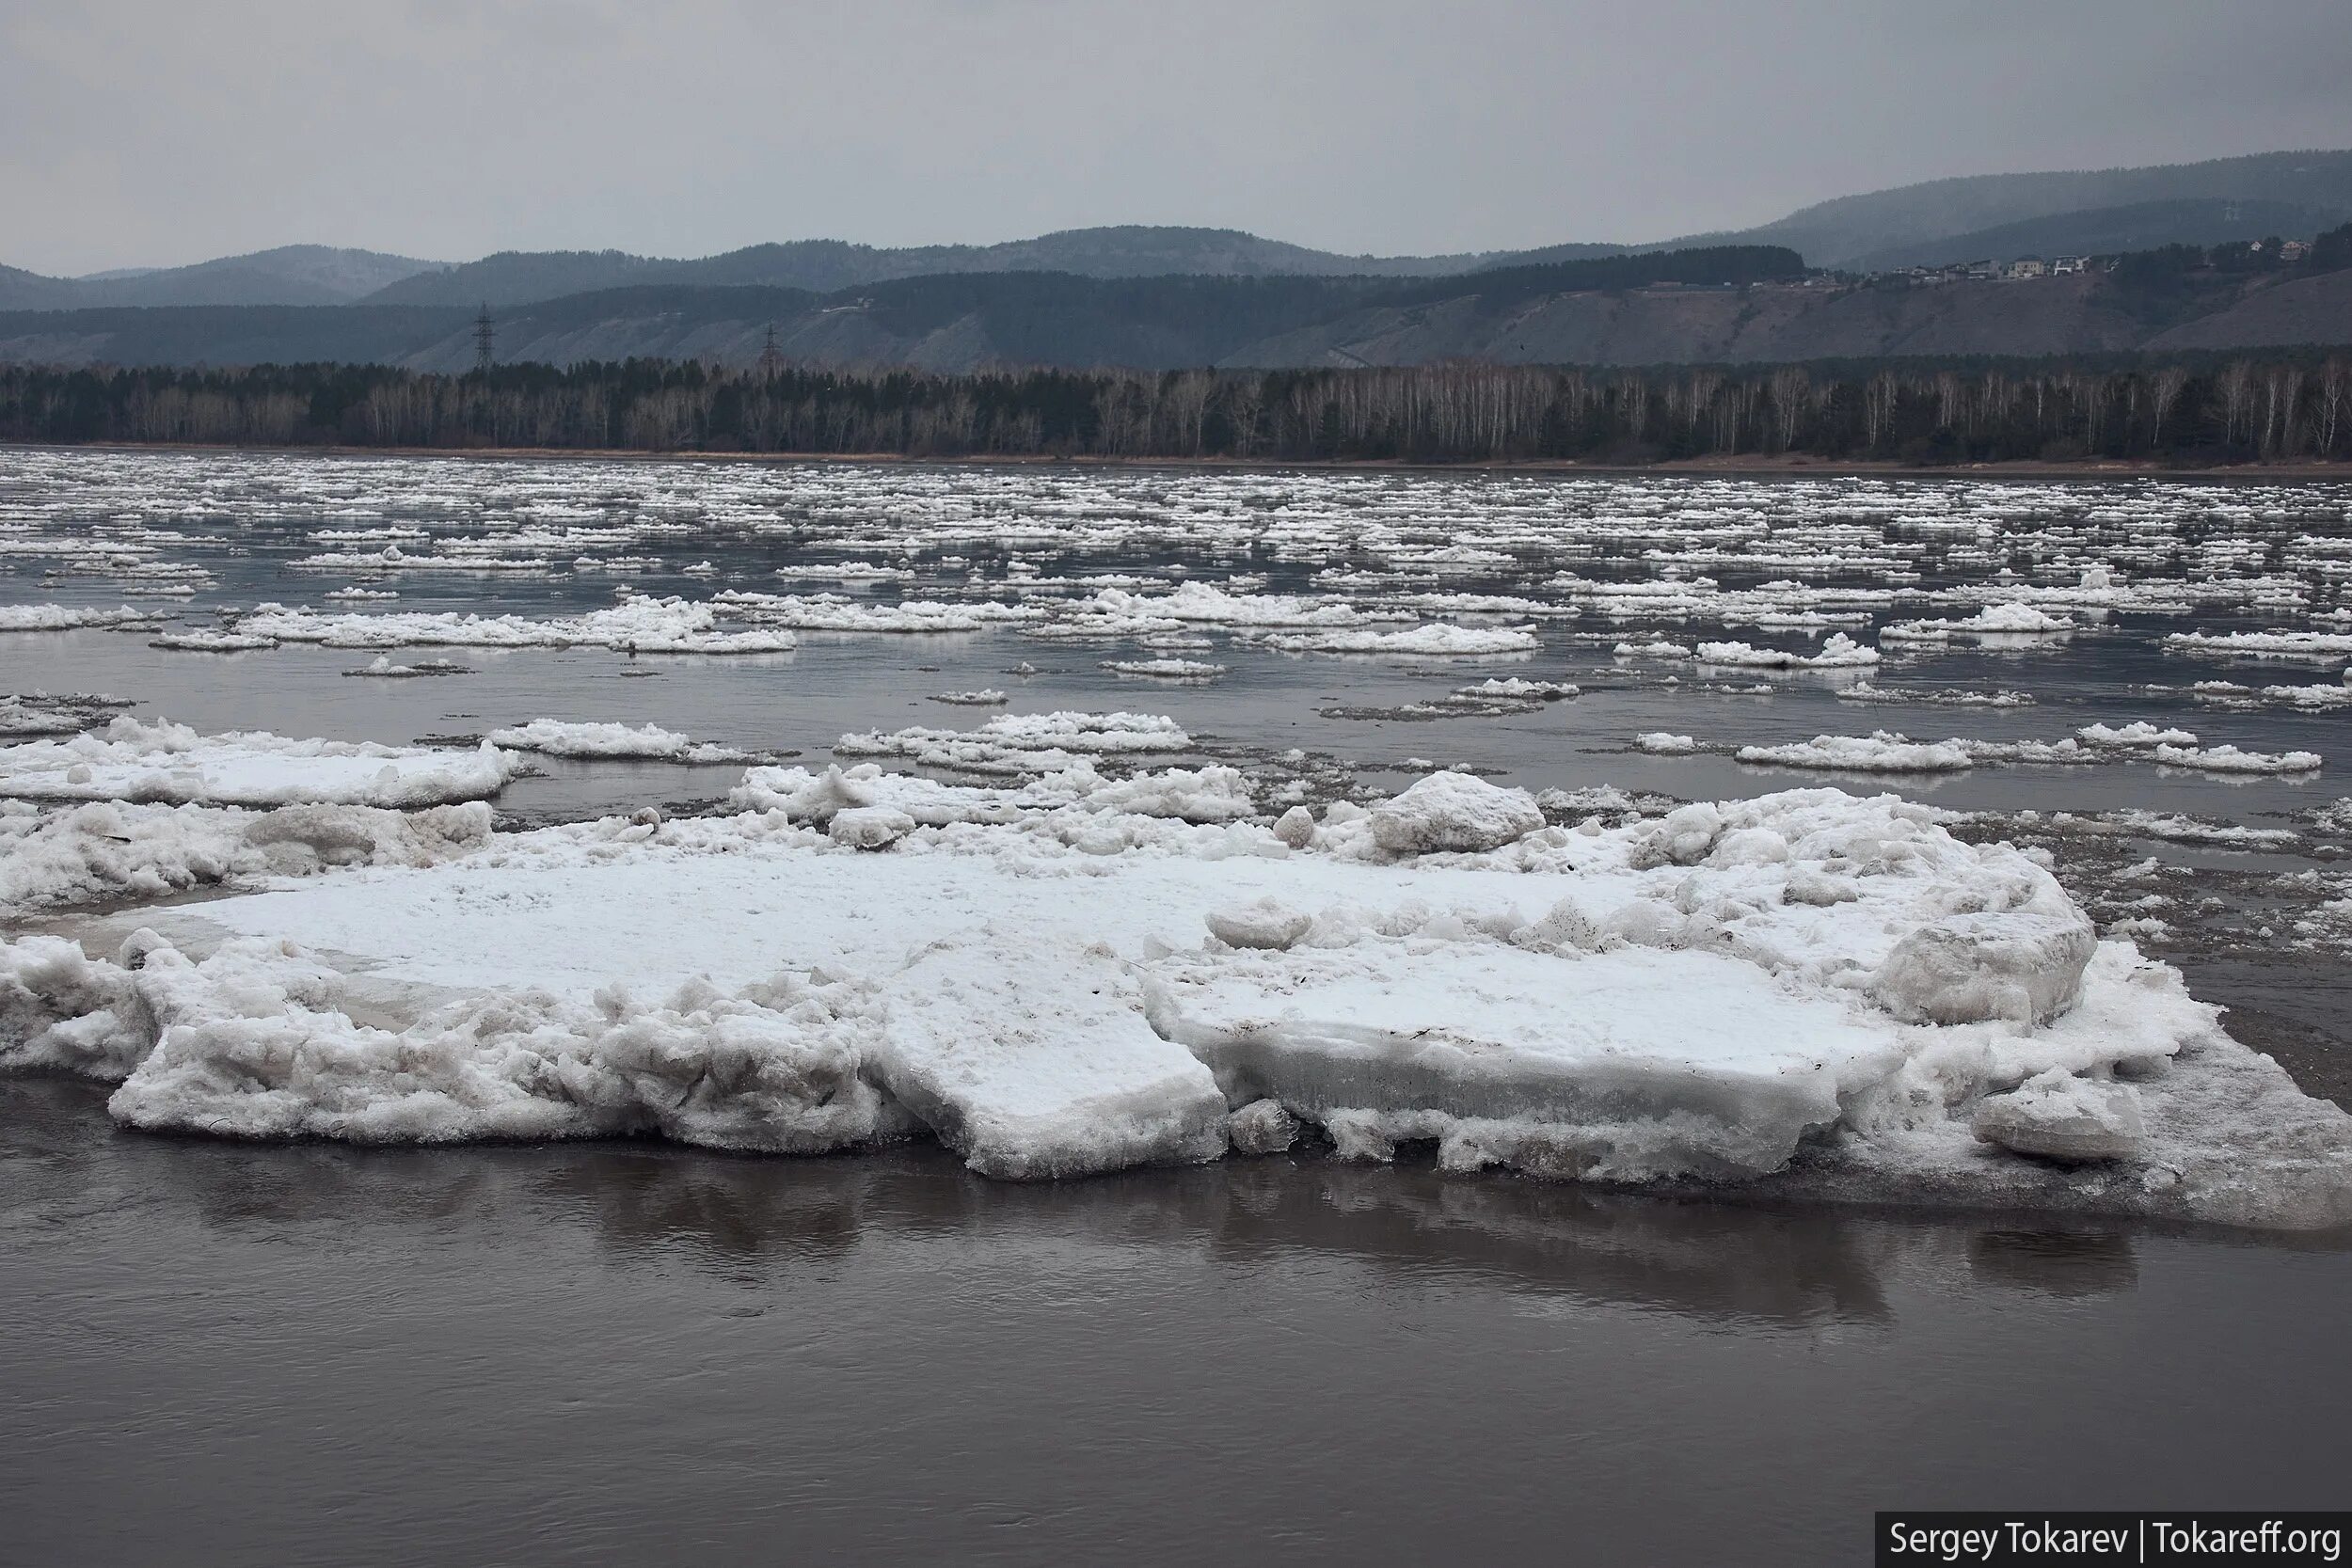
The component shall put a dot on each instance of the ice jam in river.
(1077, 973)
(1136, 908)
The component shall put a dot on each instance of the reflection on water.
(218, 1353)
(648, 1204)
(2063, 1263)
(579, 1352)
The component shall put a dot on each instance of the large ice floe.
(1068, 973)
(131, 760)
(642, 624)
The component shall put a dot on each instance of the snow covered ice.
(130, 760)
(1083, 938)
(1809, 988)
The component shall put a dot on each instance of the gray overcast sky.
(154, 132)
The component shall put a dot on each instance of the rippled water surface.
(232, 1354)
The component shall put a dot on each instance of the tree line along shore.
(2195, 411)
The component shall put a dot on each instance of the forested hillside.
(2189, 411)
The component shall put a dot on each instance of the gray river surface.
(217, 1353)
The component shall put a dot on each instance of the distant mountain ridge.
(290, 275)
(1736, 305)
(2112, 230)
(1843, 231)
(824, 266)
(2092, 212)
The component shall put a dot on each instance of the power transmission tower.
(485, 339)
(770, 358)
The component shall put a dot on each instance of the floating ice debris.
(39, 713)
(834, 612)
(1665, 743)
(1431, 639)
(1028, 743)
(1066, 799)
(2137, 734)
(58, 617)
(2264, 644)
(1881, 751)
(169, 762)
(989, 697)
(1207, 604)
(2229, 759)
(842, 571)
(1990, 623)
(1838, 652)
(391, 557)
(558, 737)
(1864, 691)
(2167, 827)
(382, 665)
(356, 593)
(1884, 751)
(647, 626)
(1165, 669)
(212, 642)
(1512, 687)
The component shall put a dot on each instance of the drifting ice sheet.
(169, 762)
(1808, 988)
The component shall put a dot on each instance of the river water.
(237, 1354)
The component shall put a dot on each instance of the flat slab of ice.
(1069, 976)
(166, 762)
(1623, 1063)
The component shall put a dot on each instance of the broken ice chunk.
(2020, 965)
(1033, 1060)
(1262, 1127)
(2059, 1116)
(869, 827)
(1266, 922)
(1454, 812)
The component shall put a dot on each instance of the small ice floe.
(1431, 640)
(1867, 691)
(1028, 743)
(2137, 735)
(988, 697)
(1839, 652)
(355, 593)
(1165, 669)
(636, 624)
(383, 666)
(1995, 623)
(835, 612)
(2229, 759)
(1511, 687)
(41, 713)
(58, 617)
(1207, 604)
(1881, 751)
(2264, 645)
(1665, 744)
(558, 737)
(212, 642)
